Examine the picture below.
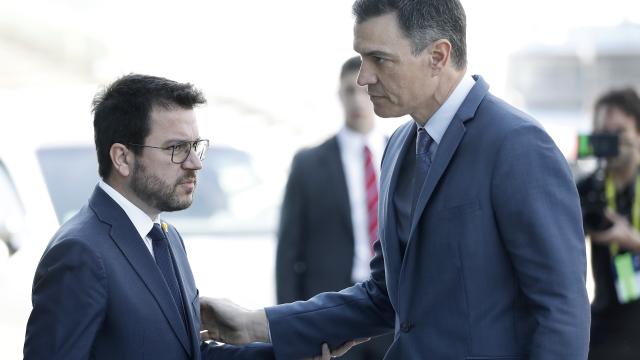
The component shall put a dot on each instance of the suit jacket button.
(405, 327)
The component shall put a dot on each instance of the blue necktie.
(165, 264)
(423, 162)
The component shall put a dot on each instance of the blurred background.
(270, 72)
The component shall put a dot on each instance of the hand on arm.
(231, 324)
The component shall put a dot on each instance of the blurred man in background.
(614, 229)
(329, 218)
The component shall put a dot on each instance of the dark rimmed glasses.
(180, 151)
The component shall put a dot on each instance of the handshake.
(223, 321)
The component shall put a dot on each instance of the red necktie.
(372, 197)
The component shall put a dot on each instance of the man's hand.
(327, 354)
(231, 324)
(621, 233)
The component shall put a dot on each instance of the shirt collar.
(439, 122)
(353, 139)
(139, 218)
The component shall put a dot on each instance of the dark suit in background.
(315, 239)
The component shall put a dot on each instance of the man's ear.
(121, 159)
(439, 55)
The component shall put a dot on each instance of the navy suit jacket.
(495, 264)
(98, 294)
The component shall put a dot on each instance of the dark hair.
(122, 111)
(626, 100)
(350, 66)
(423, 22)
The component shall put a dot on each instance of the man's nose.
(366, 76)
(193, 161)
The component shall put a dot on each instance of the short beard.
(155, 192)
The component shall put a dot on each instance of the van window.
(230, 196)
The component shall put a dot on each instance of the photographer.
(611, 210)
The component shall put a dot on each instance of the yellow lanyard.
(610, 191)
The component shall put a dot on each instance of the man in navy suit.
(481, 252)
(115, 282)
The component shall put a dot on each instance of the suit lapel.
(396, 149)
(447, 148)
(188, 292)
(333, 161)
(124, 234)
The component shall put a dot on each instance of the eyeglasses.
(180, 152)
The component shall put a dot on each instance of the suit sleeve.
(290, 265)
(298, 330)
(69, 298)
(255, 351)
(538, 213)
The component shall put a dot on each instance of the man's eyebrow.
(377, 53)
(178, 141)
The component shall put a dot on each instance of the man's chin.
(175, 208)
(178, 206)
(387, 112)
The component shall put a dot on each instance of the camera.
(601, 146)
(594, 205)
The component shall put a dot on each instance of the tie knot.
(156, 233)
(423, 141)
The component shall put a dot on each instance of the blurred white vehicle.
(27, 220)
(228, 230)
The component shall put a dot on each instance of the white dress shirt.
(437, 125)
(140, 220)
(351, 145)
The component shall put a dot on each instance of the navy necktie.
(164, 261)
(423, 162)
